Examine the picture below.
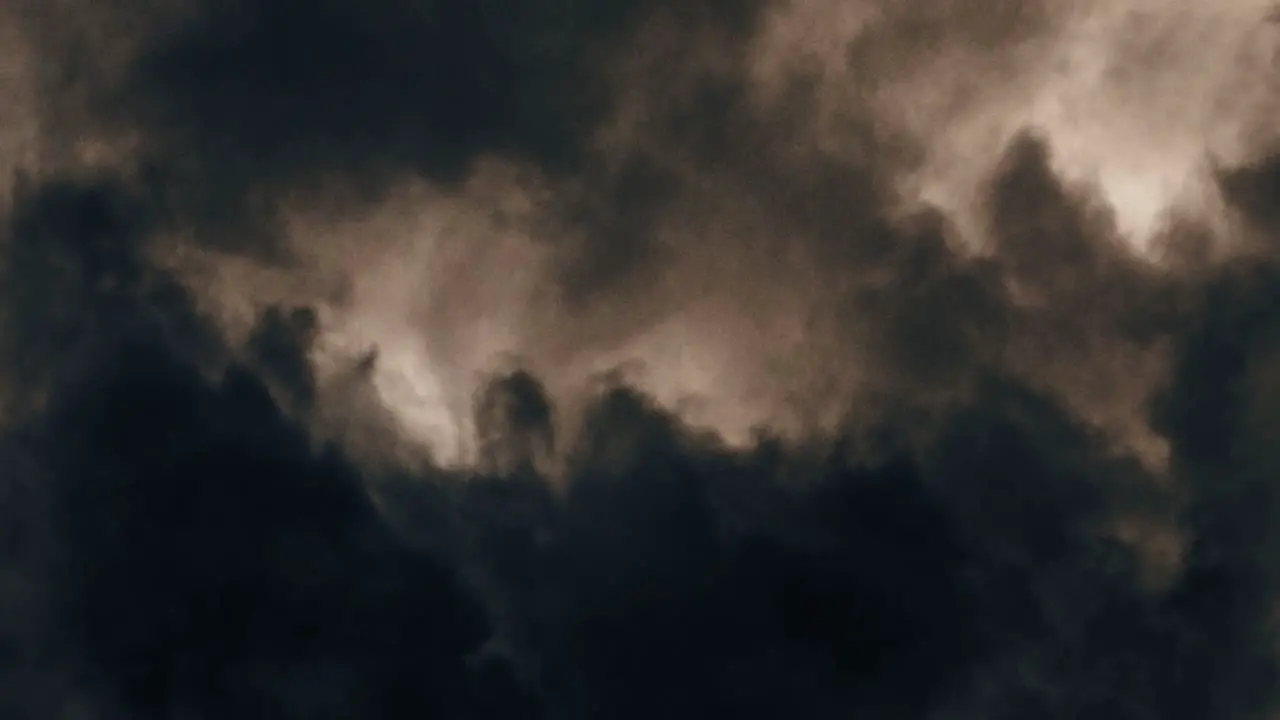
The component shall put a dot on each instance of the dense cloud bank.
(1038, 480)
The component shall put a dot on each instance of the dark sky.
(584, 361)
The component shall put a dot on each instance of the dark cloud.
(198, 526)
(79, 276)
(153, 470)
(1252, 190)
(515, 425)
(216, 564)
(238, 106)
(955, 555)
(305, 87)
(1215, 409)
(968, 568)
(280, 345)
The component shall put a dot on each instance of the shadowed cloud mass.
(578, 361)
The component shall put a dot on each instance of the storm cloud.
(441, 359)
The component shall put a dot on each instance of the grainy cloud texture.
(648, 359)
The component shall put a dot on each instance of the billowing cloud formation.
(318, 329)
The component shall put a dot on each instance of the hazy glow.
(1134, 97)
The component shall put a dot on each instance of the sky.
(781, 358)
